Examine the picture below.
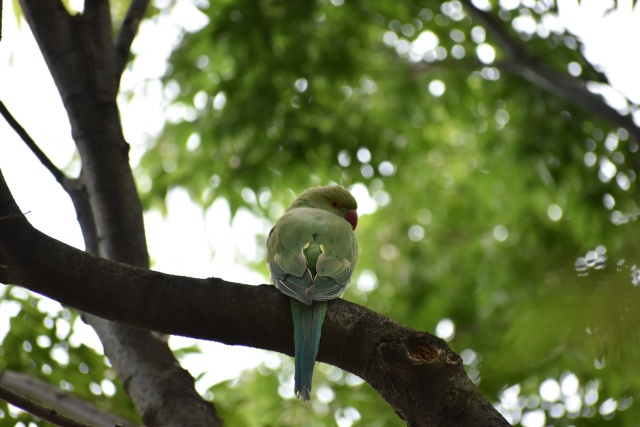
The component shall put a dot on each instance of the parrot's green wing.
(287, 241)
(308, 242)
(335, 264)
(290, 284)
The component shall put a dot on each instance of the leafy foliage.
(335, 398)
(40, 343)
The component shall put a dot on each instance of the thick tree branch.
(569, 88)
(127, 33)
(62, 402)
(47, 414)
(415, 372)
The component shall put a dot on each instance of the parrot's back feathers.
(311, 253)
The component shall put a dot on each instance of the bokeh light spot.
(458, 52)
(500, 233)
(535, 418)
(554, 212)
(416, 233)
(219, 101)
(437, 88)
(388, 252)
(623, 181)
(569, 384)
(607, 170)
(386, 168)
(363, 155)
(550, 390)
(486, 53)
(445, 329)
(574, 68)
(325, 394)
(301, 84)
(478, 34)
(389, 38)
(525, 24)
(509, 4)
(367, 281)
(590, 159)
(344, 158)
(608, 407)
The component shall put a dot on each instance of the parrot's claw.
(304, 394)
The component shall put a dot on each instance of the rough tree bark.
(80, 53)
(417, 373)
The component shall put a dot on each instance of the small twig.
(73, 187)
(127, 33)
(37, 409)
(57, 173)
(9, 217)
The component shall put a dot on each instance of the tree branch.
(569, 88)
(36, 409)
(417, 373)
(74, 187)
(22, 133)
(41, 391)
(127, 33)
(511, 48)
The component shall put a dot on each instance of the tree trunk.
(81, 56)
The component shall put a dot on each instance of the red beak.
(352, 217)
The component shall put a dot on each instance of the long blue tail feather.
(307, 325)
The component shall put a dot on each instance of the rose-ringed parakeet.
(311, 253)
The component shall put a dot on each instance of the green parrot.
(311, 253)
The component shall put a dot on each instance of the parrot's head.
(333, 198)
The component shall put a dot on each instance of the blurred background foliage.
(43, 342)
(505, 214)
(501, 217)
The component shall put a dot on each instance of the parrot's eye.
(335, 204)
